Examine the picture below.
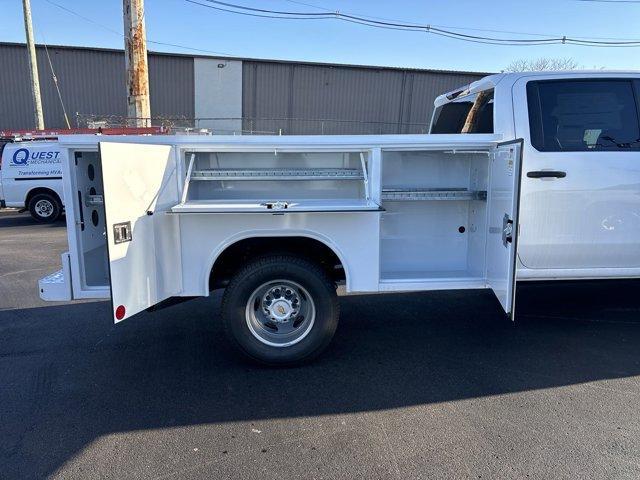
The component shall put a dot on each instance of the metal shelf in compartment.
(420, 194)
(279, 174)
(277, 207)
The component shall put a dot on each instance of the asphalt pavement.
(421, 385)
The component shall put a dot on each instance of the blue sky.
(180, 22)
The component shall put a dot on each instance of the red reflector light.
(120, 311)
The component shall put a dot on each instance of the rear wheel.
(280, 310)
(45, 207)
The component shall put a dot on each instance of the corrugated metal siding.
(349, 99)
(91, 82)
(343, 99)
(15, 99)
(171, 86)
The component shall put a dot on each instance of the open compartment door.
(143, 242)
(502, 241)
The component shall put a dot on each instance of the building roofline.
(248, 59)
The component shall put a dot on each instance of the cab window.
(468, 114)
(583, 115)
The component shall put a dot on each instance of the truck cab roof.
(510, 78)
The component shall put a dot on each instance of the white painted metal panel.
(352, 236)
(56, 287)
(503, 198)
(311, 143)
(595, 224)
(140, 186)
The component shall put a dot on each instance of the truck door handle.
(546, 174)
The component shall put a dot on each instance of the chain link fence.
(255, 126)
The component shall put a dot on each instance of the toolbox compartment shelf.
(418, 194)
(293, 206)
(433, 227)
(279, 174)
(270, 182)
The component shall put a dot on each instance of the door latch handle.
(279, 205)
(507, 230)
(546, 174)
(121, 232)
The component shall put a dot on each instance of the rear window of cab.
(468, 114)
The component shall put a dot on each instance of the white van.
(31, 178)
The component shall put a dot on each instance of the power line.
(121, 34)
(312, 16)
(86, 19)
(453, 27)
(413, 26)
(397, 25)
(253, 12)
(55, 82)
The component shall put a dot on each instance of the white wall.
(218, 93)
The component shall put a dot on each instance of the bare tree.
(542, 63)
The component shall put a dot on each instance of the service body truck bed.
(280, 221)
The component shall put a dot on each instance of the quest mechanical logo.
(24, 158)
(20, 157)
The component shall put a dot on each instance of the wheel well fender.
(235, 250)
(35, 191)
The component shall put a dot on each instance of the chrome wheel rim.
(44, 208)
(280, 313)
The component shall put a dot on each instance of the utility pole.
(135, 54)
(33, 66)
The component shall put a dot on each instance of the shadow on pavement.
(15, 219)
(69, 375)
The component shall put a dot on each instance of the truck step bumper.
(56, 287)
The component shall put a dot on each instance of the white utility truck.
(544, 181)
(31, 178)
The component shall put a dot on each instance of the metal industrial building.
(228, 95)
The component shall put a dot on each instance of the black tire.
(313, 281)
(45, 207)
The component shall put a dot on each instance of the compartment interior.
(93, 243)
(235, 181)
(434, 226)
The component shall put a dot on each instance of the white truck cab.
(580, 207)
(31, 178)
(280, 221)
